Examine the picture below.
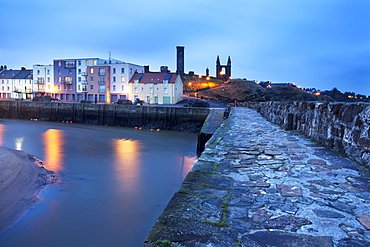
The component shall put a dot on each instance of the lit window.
(87, 62)
(59, 79)
(122, 79)
(91, 70)
(95, 62)
(59, 63)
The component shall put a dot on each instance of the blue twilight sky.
(314, 43)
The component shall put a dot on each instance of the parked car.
(124, 102)
(45, 99)
(197, 103)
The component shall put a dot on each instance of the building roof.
(8, 74)
(24, 74)
(153, 77)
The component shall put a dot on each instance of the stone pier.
(256, 184)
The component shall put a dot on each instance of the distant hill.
(243, 90)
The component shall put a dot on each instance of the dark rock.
(281, 239)
(287, 222)
(327, 213)
(348, 242)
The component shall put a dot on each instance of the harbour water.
(113, 183)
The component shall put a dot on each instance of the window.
(59, 63)
(65, 87)
(114, 79)
(145, 84)
(59, 79)
(70, 71)
(58, 71)
(151, 90)
(79, 79)
(130, 70)
(114, 70)
(91, 70)
(101, 80)
(123, 88)
(68, 79)
(91, 87)
(38, 71)
(79, 71)
(136, 82)
(136, 90)
(142, 89)
(122, 79)
(101, 89)
(101, 71)
(48, 87)
(94, 62)
(79, 62)
(114, 87)
(48, 79)
(165, 90)
(91, 79)
(155, 84)
(165, 82)
(122, 70)
(87, 62)
(48, 72)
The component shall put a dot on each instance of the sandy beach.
(21, 178)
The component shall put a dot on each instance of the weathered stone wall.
(344, 127)
(166, 118)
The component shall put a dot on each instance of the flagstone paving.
(256, 184)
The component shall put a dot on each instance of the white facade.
(43, 79)
(121, 74)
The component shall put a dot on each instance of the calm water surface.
(113, 182)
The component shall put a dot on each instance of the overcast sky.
(314, 43)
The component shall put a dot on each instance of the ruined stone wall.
(343, 127)
(166, 118)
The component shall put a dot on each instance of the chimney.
(146, 69)
(164, 69)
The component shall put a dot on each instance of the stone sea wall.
(165, 118)
(343, 127)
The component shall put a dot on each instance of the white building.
(43, 80)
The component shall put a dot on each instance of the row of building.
(92, 79)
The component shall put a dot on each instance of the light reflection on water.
(53, 140)
(127, 163)
(114, 182)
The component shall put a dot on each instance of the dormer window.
(165, 82)
(151, 79)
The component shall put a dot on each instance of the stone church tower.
(180, 69)
(223, 72)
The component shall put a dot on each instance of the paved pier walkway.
(259, 185)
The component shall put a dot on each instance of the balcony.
(70, 65)
(101, 82)
(68, 82)
(83, 73)
(83, 82)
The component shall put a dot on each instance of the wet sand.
(21, 178)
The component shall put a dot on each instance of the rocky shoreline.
(22, 176)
